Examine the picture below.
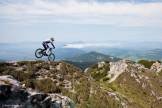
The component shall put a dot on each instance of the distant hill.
(93, 57)
(135, 55)
(81, 65)
(155, 54)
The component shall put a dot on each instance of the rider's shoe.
(45, 54)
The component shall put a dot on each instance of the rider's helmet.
(52, 39)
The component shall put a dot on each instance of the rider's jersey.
(48, 41)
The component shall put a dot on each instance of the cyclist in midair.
(45, 44)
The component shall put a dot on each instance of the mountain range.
(127, 50)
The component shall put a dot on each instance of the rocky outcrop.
(12, 94)
(116, 68)
(156, 67)
(132, 84)
(7, 79)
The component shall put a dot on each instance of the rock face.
(157, 67)
(135, 85)
(116, 68)
(7, 79)
(12, 94)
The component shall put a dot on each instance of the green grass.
(135, 98)
(99, 73)
(105, 78)
(47, 86)
(160, 73)
(146, 63)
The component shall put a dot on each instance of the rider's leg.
(47, 50)
(45, 46)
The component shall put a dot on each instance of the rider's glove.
(53, 47)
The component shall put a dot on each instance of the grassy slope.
(85, 91)
(60, 77)
(137, 93)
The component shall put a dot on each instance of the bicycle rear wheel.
(51, 57)
(38, 53)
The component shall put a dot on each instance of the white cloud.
(74, 11)
(93, 45)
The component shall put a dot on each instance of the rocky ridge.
(135, 82)
(122, 84)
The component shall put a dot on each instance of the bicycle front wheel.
(51, 57)
(38, 53)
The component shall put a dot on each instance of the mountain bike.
(40, 53)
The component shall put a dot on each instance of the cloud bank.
(92, 45)
(82, 12)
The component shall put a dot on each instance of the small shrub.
(65, 91)
(146, 63)
(100, 68)
(3, 68)
(22, 63)
(24, 69)
(17, 74)
(46, 85)
(107, 67)
(112, 87)
(56, 90)
(77, 75)
(29, 83)
(31, 67)
(53, 64)
(160, 73)
(53, 71)
(144, 93)
(98, 75)
(61, 79)
(107, 62)
(38, 66)
(61, 84)
(54, 76)
(4, 64)
(94, 66)
(159, 61)
(106, 78)
(143, 70)
(36, 62)
(68, 77)
(43, 65)
(20, 75)
(46, 66)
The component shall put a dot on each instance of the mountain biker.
(45, 44)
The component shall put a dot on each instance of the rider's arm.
(52, 44)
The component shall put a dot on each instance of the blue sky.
(80, 20)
